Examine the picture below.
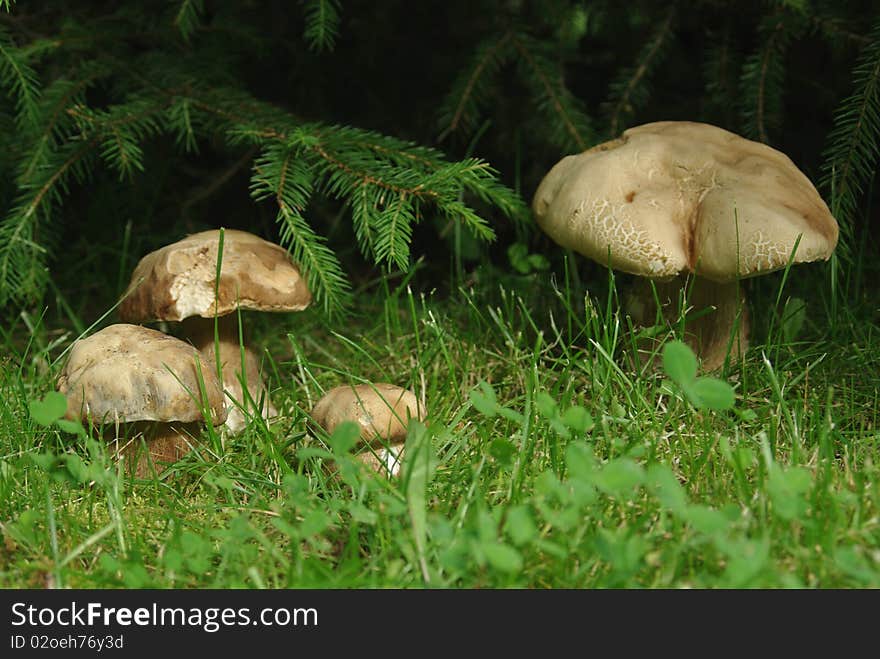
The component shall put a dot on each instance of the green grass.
(545, 461)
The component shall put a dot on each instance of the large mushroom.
(133, 382)
(382, 411)
(179, 283)
(681, 203)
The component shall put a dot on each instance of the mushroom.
(151, 383)
(382, 411)
(675, 201)
(178, 283)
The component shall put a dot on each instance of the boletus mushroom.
(679, 203)
(178, 283)
(132, 383)
(382, 411)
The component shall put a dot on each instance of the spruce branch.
(364, 203)
(115, 133)
(343, 147)
(630, 89)
(20, 80)
(345, 169)
(570, 126)
(121, 129)
(423, 180)
(362, 148)
(180, 123)
(761, 82)
(469, 95)
(478, 178)
(720, 69)
(22, 251)
(282, 175)
(55, 122)
(55, 184)
(187, 18)
(850, 157)
(835, 31)
(387, 182)
(382, 177)
(393, 224)
(349, 157)
(322, 24)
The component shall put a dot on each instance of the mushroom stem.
(717, 321)
(200, 331)
(165, 442)
(383, 460)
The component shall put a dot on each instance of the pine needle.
(630, 90)
(853, 144)
(322, 24)
(21, 81)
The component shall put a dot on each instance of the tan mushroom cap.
(379, 409)
(128, 373)
(178, 280)
(676, 196)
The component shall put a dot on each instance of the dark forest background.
(181, 105)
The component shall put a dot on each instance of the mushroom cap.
(130, 373)
(379, 409)
(672, 197)
(178, 280)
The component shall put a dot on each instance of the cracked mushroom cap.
(379, 409)
(178, 280)
(130, 373)
(676, 196)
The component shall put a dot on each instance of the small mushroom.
(178, 283)
(677, 200)
(135, 382)
(382, 411)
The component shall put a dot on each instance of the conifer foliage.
(854, 144)
(389, 184)
(349, 103)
